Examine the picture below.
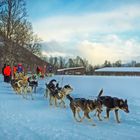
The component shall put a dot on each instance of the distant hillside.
(21, 55)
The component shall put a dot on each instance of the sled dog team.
(77, 105)
(24, 85)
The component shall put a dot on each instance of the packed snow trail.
(22, 119)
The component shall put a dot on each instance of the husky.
(21, 87)
(85, 105)
(113, 103)
(33, 83)
(50, 87)
(57, 93)
(60, 95)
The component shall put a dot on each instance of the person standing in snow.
(14, 70)
(3, 72)
(20, 68)
(38, 71)
(7, 73)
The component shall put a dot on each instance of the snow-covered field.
(22, 119)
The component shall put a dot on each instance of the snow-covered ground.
(119, 69)
(22, 119)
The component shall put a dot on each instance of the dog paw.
(106, 118)
(93, 124)
(78, 120)
(118, 122)
(90, 120)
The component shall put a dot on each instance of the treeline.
(64, 62)
(119, 63)
(16, 30)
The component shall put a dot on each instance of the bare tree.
(12, 20)
(70, 63)
(34, 44)
(12, 17)
(2, 2)
(15, 29)
(62, 62)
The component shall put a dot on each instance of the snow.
(73, 68)
(119, 69)
(22, 119)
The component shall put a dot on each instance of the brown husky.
(22, 87)
(85, 105)
(113, 103)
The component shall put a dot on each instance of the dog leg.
(63, 103)
(86, 114)
(117, 117)
(24, 94)
(55, 99)
(82, 118)
(98, 115)
(74, 111)
(35, 89)
(50, 100)
(18, 91)
(78, 112)
(107, 113)
(95, 113)
(31, 95)
(78, 115)
(46, 93)
(60, 102)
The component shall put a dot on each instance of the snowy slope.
(35, 120)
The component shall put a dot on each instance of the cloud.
(95, 36)
(54, 48)
(112, 49)
(65, 28)
(53, 54)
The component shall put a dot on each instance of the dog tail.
(100, 93)
(53, 80)
(69, 98)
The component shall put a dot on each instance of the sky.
(96, 30)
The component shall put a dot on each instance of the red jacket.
(7, 71)
(15, 69)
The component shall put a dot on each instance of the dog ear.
(125, 101)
